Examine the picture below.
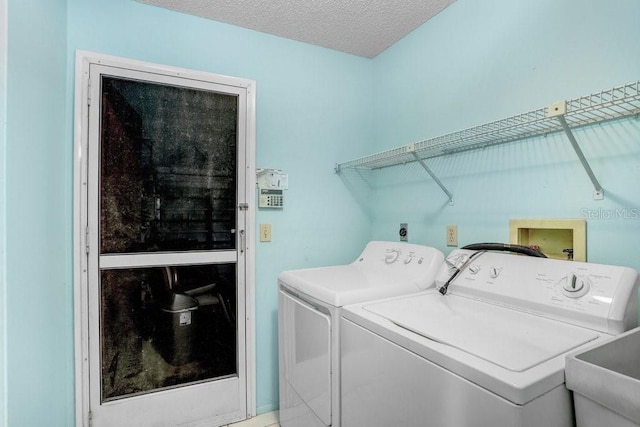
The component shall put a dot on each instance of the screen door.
(166, 249)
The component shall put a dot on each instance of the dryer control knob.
(391, 256)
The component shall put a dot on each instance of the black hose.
(443, 289)
(525, 250)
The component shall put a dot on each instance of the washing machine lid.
(511, 339)
(345, 284)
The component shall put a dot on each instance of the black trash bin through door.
(176, 328)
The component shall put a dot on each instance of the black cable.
(443, 289)
(525, 250)
(483, 247)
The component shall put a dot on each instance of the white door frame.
(81, 298)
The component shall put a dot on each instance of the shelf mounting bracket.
(434, 177)
(559, 109)
(598, 193)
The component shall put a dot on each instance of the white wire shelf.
(618, 102)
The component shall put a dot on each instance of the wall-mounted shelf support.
(598, 193)
(434, 177)
(615, 103)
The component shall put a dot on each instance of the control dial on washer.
(456, 261)
(575, 286)
(474, 268)
(494, 272)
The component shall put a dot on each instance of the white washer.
(491, 352)
(310, 302)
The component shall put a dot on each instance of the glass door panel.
(167, 326)
(167, 168)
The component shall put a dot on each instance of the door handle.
(242, 241)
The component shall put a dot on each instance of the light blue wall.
(480, 61)
(39, 319)
(3, 148)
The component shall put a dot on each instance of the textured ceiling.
(360, 27)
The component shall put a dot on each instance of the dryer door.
(306, 356)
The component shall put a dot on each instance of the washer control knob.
(391, 256)
(456, 261)
(494, 272)
(575, 286)
(573, 283)
(474, 268)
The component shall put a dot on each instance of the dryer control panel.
(396, 262)
(383, 269)
(601, 297)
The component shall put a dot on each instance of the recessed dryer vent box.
(554, 237)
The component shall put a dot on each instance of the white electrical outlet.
(452, 235)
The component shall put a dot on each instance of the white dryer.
(309, 305)
(491, 352)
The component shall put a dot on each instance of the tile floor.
(270, 419)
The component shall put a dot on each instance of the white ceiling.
(360, 27)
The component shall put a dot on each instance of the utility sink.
(605, 381)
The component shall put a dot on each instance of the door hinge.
(90, 419)
(243, 206)
(86, 240)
